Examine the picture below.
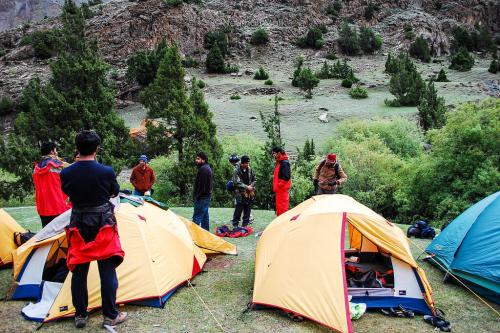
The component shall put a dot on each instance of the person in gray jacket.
(244, 191)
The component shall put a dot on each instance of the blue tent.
(469, 247)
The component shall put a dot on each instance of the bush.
(331, 56)
(235, 97)
(336, 71)
(406, 83)
(349, 39)
(87, 12)
(6, 106)
(218, 37)
(370, 10)
(268, 82)
(442, 76)
(333, 9)
(358, 92)
(462, 60)
(408, 31)
(494, 66)
(201, 84)
(431, 110)
(307, 81)
(189, 62)
(298, 63)
(261, 74)
(346, 83)
(45, 43)
(313, 39)
(231, 69)
(369, 42)
(2, 51)
(259, 37)
(420, 49)
(173, 2)
(215, 60)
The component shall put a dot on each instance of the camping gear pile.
(421, 229)
(468, 248)
(303, 271)
(162, 251)
(236, 232)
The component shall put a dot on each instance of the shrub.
(358, 92)
(2, 51)
(462, 60)
(369, 42)
(261, 74)
(333, 9)
(87, 12)
(307, 81)
(173, 2)
(6, 106)
(259, 37)
(218, 37)
(331, 56)
(406, 83)
(346, 83)
(431, 110)
(298, 63)
(94, 2)
(494, 66)
(348, 39)
(189, 62)
(420, 49)
(45, 43)
(322, 27)
(231, 69)
(235, 97)
(442, 76)
(370, 10)
(215, 60)
(268, 82)
(313, 39)
(408, 31)
(201, 84)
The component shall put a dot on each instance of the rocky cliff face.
(123, 27)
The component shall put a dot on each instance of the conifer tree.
(442, 76)
(406, 84)
(431, 110)
(215, 60)
(307, 81)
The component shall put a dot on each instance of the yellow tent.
(300, 262)
(8, 226)
(162, 251)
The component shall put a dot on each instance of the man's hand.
(147, 193)
(250, 188)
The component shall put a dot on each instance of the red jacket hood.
(50, 164)
(282, 157)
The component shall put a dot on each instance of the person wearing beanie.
(244, 191)
(328, 175)
(202, 191)
(143, 177)
(50, 199)
(234, 159)
(282, 180)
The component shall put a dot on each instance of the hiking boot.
(81, 321)
(122, 316)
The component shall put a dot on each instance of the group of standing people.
(86, 186)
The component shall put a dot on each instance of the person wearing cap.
(234, 159)
(244, 191)
(282, 180)
(50, 199)
(143, 177)
(328, 175)
(202, 191)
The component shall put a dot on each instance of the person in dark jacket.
(50, 199)
(282, 180)
(92, 233)
(328, 175)
(143, 177)
(202, 191)
(244, 191)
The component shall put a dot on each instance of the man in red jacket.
(282, 180)
(143, 177)
(50, 199)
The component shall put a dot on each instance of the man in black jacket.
(202, 191)
(244, 191)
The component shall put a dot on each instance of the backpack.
(230, 186)
(336, 166)
(22, 237)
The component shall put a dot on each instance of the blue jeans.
(200, 214)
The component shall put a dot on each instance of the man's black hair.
(47, 147)
(87, 142)
(278, 149)
(245, 159)
(203, 156)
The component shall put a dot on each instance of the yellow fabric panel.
(299, 267)
(8, 226)
(206, 241)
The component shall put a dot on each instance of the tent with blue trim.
(302, 259)
(469, 247)
(162, 252)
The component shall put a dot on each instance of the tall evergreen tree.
(77, 96)
(431, 110)
(215, 60)
(307, 81)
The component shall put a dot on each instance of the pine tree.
(390, 64)
(298, 69)
(406, 84)
(420, 49)
(77, 96)
(368, 40)
(462, 60)
(348, 39)
(307, 81)
(215, 60)
(442, 76)
(494, 67)
(431, 110)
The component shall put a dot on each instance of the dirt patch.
(219, 263)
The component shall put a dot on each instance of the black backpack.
(22, 237)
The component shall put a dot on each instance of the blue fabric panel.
(479, 253)
(156, 302)
(28, 291)
(449, 240)
(415, 304)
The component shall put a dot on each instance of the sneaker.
(81, 321)
(122, 316)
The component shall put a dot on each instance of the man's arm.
(153, 177)
(114, 186)
(133, 178)
(318, 169)
(237, 183)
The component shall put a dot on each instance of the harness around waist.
(95, 209)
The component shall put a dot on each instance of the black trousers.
(245, 207)
(109, 285)
(47, 219)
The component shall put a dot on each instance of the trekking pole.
(456, 278)
(206, 306)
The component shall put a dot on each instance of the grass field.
(226, 287)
